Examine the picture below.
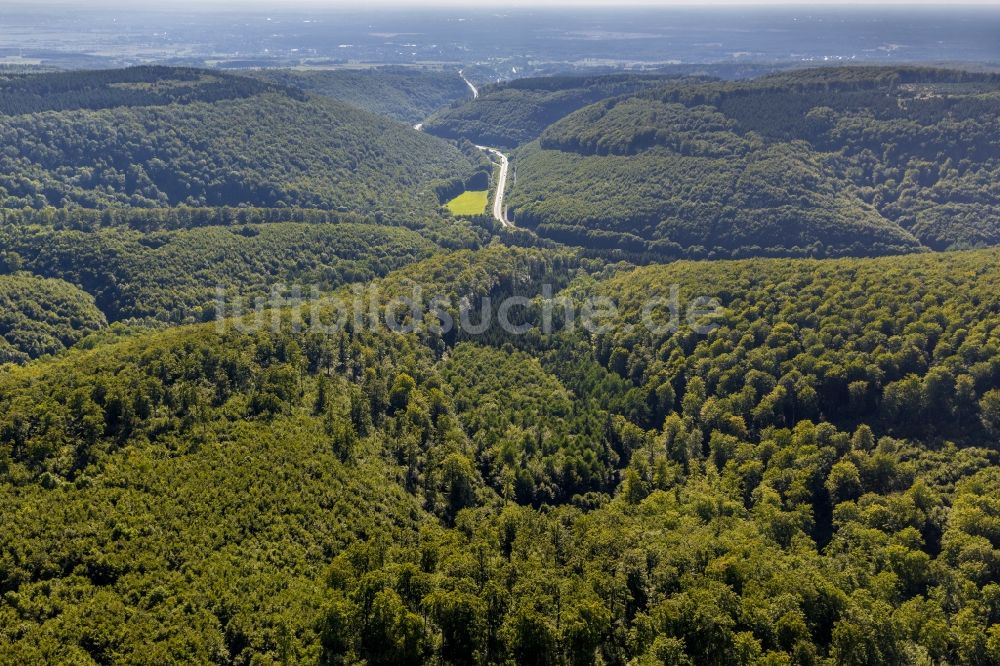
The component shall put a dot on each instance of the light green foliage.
(412, 498)
(472, 202)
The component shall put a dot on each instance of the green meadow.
(469, 203)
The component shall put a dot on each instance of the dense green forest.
(830, 161)
(150, 188)
(806, 475)
(250, 143)
(173, 275)
(813, 481)
(512, 113)
(408, 94)
(148, 220)
(131, 87)
(776, 200)
(41, 316)
(165, 266)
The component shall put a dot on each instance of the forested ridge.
(173, 275)
(42, 316)
(509, 114)
(154, 267)
(814, 481)
(829, 162)
(234, 141)
(134, 86)
(408, 94)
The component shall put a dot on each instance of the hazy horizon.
(505, 42)
(501, 4)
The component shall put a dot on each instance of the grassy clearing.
(469, 203)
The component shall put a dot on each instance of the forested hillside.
(158, 266)
(822, 162)
(135, 86)
(407, 94)
(40, 316)
(813, 480)
(151, 188)
(173, 275)
(516, 112)
(161, 137)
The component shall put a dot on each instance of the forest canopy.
(814, 481)
(821, 162)
(249, 143)
(41, 316)
(804, 473)
(408, 94)
(509, 114)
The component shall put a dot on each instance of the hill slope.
(856, 160)
(130, 87)
(407, 94)
(42, 316)
(516, 112)
(156, 572)
(167, 141)
(173, 276)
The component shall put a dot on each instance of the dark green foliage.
(40, 316)
(516, 112)
(173, 276)
(107, 178)
(272, 149)
(855, 161)
(135, 86)
(776, 200)
(147, 220)
(408, 94)
(534, 443)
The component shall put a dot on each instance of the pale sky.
(167, 5)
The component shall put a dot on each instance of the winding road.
(474, 89)
(499, 210)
